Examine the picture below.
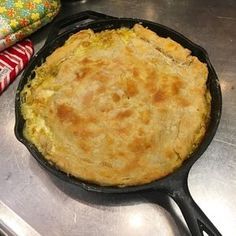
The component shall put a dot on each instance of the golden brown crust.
(120, 107)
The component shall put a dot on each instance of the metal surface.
(48, 205)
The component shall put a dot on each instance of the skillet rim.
(163, 183)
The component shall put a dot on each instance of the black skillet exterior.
(113, 23)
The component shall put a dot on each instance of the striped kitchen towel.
(13, 60)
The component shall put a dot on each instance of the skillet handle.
(57, 26)
(195, 218)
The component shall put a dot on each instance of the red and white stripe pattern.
(13, 60)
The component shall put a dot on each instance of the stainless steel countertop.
(33, 203)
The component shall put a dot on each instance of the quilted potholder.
(20, 18)
(13, 60)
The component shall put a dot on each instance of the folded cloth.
(20, 18)
(13, 60)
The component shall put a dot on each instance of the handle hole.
(205, 233)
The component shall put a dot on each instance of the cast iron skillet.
(175, 184)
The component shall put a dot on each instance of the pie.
(119, 107)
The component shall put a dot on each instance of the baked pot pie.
(119, 107)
